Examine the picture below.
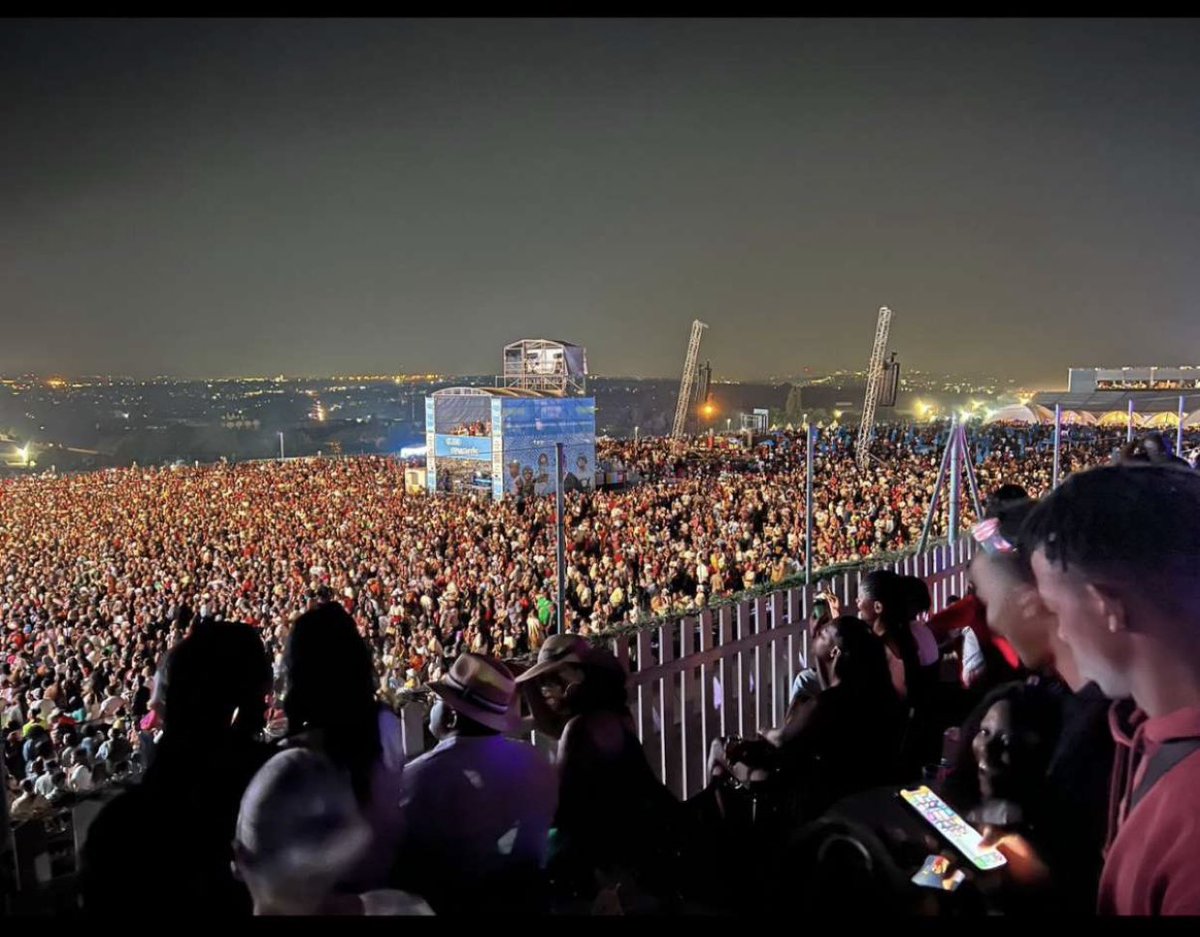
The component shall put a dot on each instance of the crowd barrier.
(728, 670)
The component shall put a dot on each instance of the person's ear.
(1029, 603)
(239, 859)
(1108, 606)
(878, 606)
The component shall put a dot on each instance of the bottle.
(951, 739)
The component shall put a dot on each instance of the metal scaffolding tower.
(687, 385)
(875, 377)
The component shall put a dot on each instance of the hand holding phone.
(1024, 864)
(938, 873)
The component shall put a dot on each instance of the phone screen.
(964, 837)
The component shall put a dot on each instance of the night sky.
(316, 197)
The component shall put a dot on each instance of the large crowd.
(104, 573)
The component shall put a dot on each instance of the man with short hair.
(299, 832)
(478, 807)
(1116, 552)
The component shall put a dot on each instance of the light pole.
(281, 445)
(560, 539)
(1179, 431)
(635, 433)
(955, 480)
(810, 442)
(1057, 443)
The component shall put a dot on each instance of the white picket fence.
(729, 671)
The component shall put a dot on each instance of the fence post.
(1057, 442)
(808, 504)
(412, 729)
(743, 622)
(707, 713)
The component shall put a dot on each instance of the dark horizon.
(198, 197)
(53, 379)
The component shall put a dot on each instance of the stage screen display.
(515, 456)
(567, 419)
(463, 415)
(529, 467)
(531, 427)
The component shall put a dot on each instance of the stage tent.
(1077, 418)
(1028, 414)
(1121, 418)
(1165, 419)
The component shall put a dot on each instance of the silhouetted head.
(218, 681)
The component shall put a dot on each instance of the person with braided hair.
(1115, 553)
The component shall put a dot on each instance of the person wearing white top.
(80, 779)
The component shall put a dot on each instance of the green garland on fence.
(648, 624)
(402, 697)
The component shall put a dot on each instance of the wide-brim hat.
(482, 689)
(562, 649)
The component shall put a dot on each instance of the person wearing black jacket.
(171, 834)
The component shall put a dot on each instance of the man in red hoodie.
(1116, 555)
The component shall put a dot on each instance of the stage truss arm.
(688, 383)
(875, 376)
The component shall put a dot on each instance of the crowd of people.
(101, 570)
(473, 428)
(305, 590)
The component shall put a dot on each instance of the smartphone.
(964, 837)
(938, 873)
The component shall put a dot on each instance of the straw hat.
(482, 689)
(562, 649)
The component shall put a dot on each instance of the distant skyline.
(60, 381)
(215, 197)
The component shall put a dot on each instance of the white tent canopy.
(1121, 418)
(1028, 414)
(1078, 418)
(1162, 420)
